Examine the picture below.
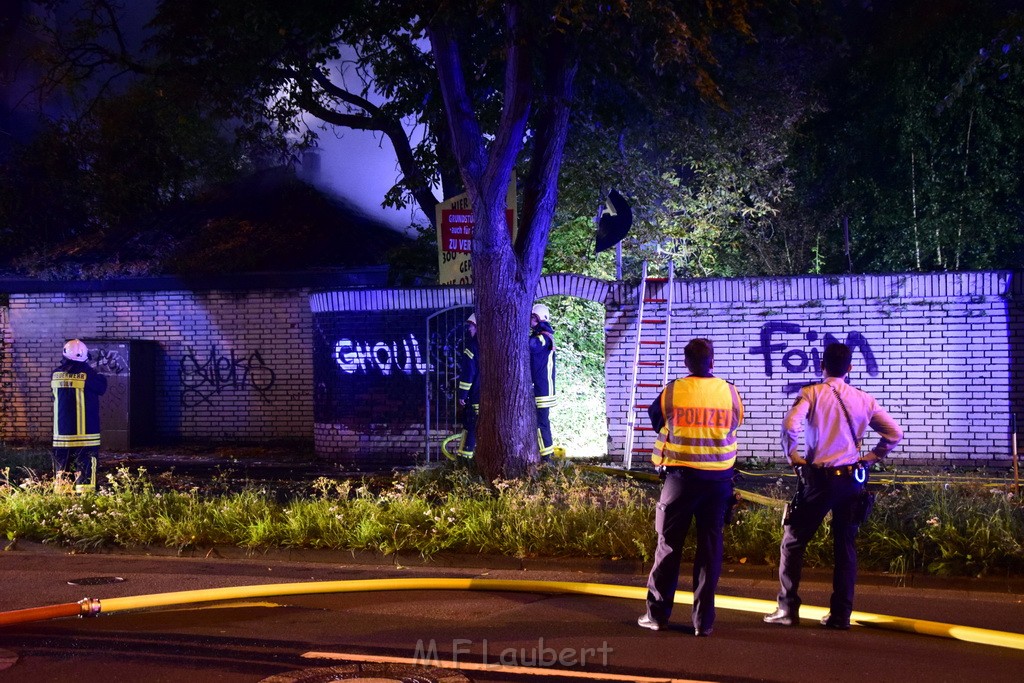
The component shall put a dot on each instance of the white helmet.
(76, 350)
(471, 319)
(542, 312)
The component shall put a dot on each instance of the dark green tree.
(920, 165)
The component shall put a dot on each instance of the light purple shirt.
(827, 435)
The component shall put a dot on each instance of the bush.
(567, 510)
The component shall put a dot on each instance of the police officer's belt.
(843, 471)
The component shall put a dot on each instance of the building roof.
(268, 222)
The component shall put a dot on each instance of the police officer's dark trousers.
(689, 494)
(824, 490)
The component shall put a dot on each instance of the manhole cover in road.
(95, 580)
(7, 659)
(371, 672)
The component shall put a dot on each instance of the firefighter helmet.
(542, 312)
(471, 319)
(76, 350)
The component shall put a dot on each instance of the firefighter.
(542, 370)
(77, 388)
(469, 388)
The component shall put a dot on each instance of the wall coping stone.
(370, 276)
(1002, 284)
(440, 297)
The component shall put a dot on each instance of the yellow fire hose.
(95, 607)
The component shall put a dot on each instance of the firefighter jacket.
(77, 388)
(696, 418)
(542, 364)
(469, 372)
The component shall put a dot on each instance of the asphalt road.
(270, 639)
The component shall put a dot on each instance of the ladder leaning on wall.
(652, 341)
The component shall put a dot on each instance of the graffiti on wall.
(204, 378)
(787, 347)
(108, 361)
(402, 356)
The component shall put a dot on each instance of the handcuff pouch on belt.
(862, 507)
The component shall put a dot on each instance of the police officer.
(542, 370)
(76, 416)
(832, 477)
(696, 418)
(469, 389)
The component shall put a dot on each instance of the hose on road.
(95, 607)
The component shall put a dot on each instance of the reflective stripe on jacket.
(697, 418)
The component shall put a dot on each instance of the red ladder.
(650, 371)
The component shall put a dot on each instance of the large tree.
(492, 86)
(543, 46)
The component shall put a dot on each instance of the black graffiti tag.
(108, 361)
(202, 380)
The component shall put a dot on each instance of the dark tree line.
(855, 136)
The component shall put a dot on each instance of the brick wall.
(230, 365)
(383, 360)
(944, 353)
(938, 352)
(6, 374)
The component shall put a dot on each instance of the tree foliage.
(919, 152)
(129, 154)
(710, 180)
(542, 46)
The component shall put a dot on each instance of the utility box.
(128, 408)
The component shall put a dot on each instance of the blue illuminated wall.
(941, 352)
(346, 368)
(371, 380)
(372, 361)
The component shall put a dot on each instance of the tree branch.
(413, 177)
(516, 110)
(540, 191)
(466, 137)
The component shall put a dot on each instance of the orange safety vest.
(701, 417)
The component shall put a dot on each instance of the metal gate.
(446, 338)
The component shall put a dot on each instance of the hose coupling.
(90, 607)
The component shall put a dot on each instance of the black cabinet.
(127, 410)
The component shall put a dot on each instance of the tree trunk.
(505, 276)
(507, 428)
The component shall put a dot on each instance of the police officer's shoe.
(836, 624)
(782, 618)
(645, 621)
(703, 632)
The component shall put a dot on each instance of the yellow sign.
(454, 218)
